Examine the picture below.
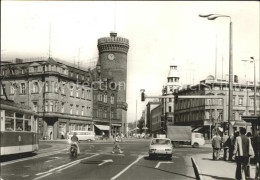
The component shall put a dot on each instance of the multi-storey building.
(206, 113)
(149, 107)
(156, 125)
(61, 93)
(105, 104)
(173, 83)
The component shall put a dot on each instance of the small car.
(160, 147)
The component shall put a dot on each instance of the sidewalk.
(222, 170)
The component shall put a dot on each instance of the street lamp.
(253, 60)
(230, 107)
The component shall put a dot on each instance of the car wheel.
(195, 145)
(169, 156)
(151, 156)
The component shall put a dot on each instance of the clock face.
(111, 56)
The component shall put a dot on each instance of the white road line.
(43, 176)
(119, 174)
(62, 167)
(158, 164)
(34, 157)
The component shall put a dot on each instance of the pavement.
(211, 169)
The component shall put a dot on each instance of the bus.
(18, 129)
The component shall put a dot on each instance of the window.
(47, 86)
(9, 121)
(252, 101)
(105, 113)
(220, 116)
(170, 99)
(51, 107)
(22, 89)
(35, 69)
(56, 107)
(77, 93)
(2, 89)
(55, 86)
(63, 88)
(105, 98)
(46, 106)
(22, 71)
(71, 74)
(112, 100)
(12, 88)
(240, 101)
(71, 91)
(3, 72)
(62, 107)
(77, 76)
(71, 110)
(19, 122)
(77, 109)
(240, 116)
(35, 106)
(35, 87)
(234, 100)
(83, 94)
(82, 110)
(170, 109)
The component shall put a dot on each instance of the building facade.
(113, 63)
(60, 93)
(205, 114)
(149, 107)
(157, 125)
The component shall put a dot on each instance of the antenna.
(50, 42)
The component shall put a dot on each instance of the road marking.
(112, 154)
(119, 174)
(62, 167)
(34, 157)
(105, 161)
(53, 158)
(159, 163)
(43, 176)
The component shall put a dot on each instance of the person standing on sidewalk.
(216, 145)
(241, 153)
(225, 141)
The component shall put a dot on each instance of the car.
(83, 135)
(160, 147)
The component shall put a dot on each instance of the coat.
(241, 147)
(216, 142)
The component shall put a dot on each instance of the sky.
(159, 33)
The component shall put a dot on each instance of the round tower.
(173, 79)
(113, 63)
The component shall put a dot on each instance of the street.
(97, 162)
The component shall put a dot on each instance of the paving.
(211, 169)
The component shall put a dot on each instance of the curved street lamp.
(230, 107)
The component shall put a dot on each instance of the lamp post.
(253, 60)
(230, 89)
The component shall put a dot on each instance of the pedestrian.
(255, 144)
(226, 142)
(232, 144)
(216, 145)
(50, 135)
(249, 135)
(241, 153)
(116, 144)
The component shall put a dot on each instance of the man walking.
(216, 145)
(226, 145)
(241, 151)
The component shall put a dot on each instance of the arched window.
(35, 87)
(112, 99)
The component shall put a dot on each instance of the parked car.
(83, 135)
(160, 147)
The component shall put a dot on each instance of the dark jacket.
(241, 147)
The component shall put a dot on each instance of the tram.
(18, 129)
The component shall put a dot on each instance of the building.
(105, 104)
(157, 125)
(173, 84)
(113, 63)
(149, 107)
(58, 91)
(204, 114)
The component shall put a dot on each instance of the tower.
(170, 87)
(113, 63)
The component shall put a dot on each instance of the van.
(83, 135)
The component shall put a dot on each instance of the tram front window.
(9, 124)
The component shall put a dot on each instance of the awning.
(102, 127)
(117, 125)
